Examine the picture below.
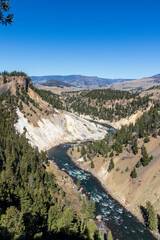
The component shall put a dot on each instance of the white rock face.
(60, 127)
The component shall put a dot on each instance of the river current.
(123, 225)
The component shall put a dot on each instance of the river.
(123, 225)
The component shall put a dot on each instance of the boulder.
(99, 218)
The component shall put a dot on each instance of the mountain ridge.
(77, 80)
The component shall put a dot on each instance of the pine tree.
(145, 158)
(92, 164)
(109, 236)
(138, 164)
(151, 217)
(111, 165)
(111, 154)
(133, 173)
(135, 147)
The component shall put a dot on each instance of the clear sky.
(105, 38)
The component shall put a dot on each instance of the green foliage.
(29, 206)
(109, 236)
(145, 158)
(127, 169)
(151, 217)
(146, 139)
(4, 79)
(13, 221)
(94, 103)
(138, 164)
(111, 165)
(91, 227)
(155, 133)
(4, 8)
(14, 74)
(133, 173)
(78, 183)
(92, 164)
(135, 146)
(88, 209)
(83, 150)
(111, 154)
(127, 135)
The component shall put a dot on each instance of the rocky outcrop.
(12, 83)
(59, 127)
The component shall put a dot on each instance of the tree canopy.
(5, 17)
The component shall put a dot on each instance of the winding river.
(122, 224)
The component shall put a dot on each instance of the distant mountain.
(157, 78)
(77, 80)
(55, 83)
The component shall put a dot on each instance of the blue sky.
(106, 38)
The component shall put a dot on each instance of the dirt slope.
(132, 193)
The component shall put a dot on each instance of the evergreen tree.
(109, 236)
(133, 173)
(111, 165)
(151, 217)
(92, 164)
(135, 147)
(111, 154)
(145, 157)
(138, 164)
(4, 7)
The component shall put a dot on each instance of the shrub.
(146, 139)
(111, 154)
(133, 173)
(127, 169)
(138, 164)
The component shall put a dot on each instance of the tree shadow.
(4, 234)
(158, 217)
(144, 214)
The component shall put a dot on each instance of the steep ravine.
(121, 222)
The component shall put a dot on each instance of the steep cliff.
(59, 127)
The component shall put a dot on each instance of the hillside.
(55, 83)
(138, 84)
(97, 82)
(37, 200)
(42, 116)
(106, 104)
(127, 162)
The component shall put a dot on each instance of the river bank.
(123, 121)
(71, 191)
(109, 191)
(122, 224)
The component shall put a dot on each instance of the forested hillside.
(32, 204)
(113, 144)
(126, 161)
(106, 104)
